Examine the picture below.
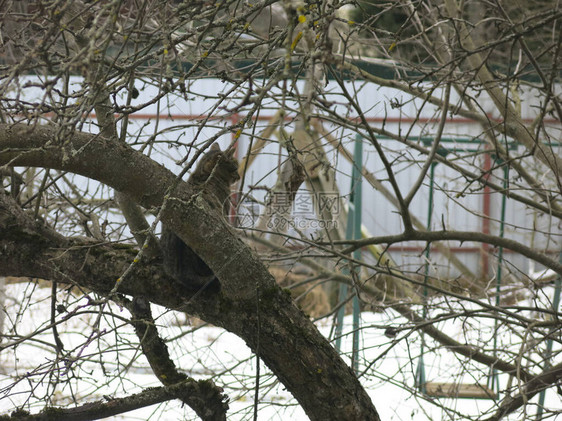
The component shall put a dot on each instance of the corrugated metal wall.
(450, 211)
(183, 123)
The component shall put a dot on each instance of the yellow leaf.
(296, 41)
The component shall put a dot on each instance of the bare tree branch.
(114, 406)
(241, 274)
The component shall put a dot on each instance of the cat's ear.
(230, 152)
(215, 147)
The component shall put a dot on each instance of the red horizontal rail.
(191, 117)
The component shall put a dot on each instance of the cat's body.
(213, 176)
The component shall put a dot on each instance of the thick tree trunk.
(250, 303)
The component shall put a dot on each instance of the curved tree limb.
(209, 405)
(537, 384)
(462, 349)
(86, 263)
(290, 345)
(462, 236)
(111, 407)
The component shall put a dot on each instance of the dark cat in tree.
(213, 176)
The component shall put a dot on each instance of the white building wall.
(180, 130)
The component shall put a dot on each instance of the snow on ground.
(104, 360)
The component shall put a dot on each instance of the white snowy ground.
(111, 369)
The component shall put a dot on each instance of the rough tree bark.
(250, 303)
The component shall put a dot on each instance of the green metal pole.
(548, 353)
(429, 220)
(420, 374)
(494, 381)
(357, 219)
(353, 232)
(342, 294)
